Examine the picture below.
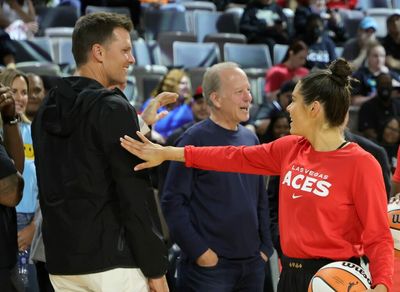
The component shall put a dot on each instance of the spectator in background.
(263, 22)
(291, 68)
(180, 113)
(333, 24)
(200, 110)
(36, 93)
(321, 48)
(11, 187)
(378, 109)
(18, 82)
(355, 49)
(377, 151)
(366, 88)
(389, 139)
(391, 42)
(262, 115)
(278, 128)
(7, 50)
(18, 18)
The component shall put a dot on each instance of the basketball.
(340, 277)
(394, 222)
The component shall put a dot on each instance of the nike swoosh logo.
(296, 196)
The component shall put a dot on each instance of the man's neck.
(223, 122)
(92, 72)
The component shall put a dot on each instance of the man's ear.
(215, 99)
(98, 52)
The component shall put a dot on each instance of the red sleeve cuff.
(188, 156)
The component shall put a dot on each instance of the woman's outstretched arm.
(153, 154)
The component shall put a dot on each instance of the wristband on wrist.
(11, 120)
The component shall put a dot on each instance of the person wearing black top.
(11, 186)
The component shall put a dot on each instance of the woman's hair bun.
(341, 71)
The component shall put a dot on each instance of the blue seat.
(222, 38)
(191, 55)
(156, 21)
(248, 55)
(205, 22)
(60, 16)
(280, 51)
(165, 42)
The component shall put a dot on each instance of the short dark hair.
(296, 46)
(332, 88)
(96, 28)
(392, 18)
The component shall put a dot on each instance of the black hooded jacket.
(95, 207)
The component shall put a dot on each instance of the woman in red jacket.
(332, 195)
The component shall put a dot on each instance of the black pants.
(43, 277)
(297, 273)
(9, 280)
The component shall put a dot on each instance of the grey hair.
(212, 79)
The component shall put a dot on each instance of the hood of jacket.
(69, 101)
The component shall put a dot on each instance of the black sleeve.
(7, 167)
(378, 152)
(134, 189)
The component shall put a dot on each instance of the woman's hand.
(151, 153)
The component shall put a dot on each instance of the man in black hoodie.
(97, 225)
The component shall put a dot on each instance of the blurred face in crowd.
(117, 57)
(35, 94)
(281, 128)
(394, 28)
(376, 58)
(184, 86)
(367, 35)
(285, 99)
(20, 93)
(200, 109)
(233, 97)
(384, 87)
(298, 60)
(391, 133)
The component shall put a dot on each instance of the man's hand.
(207, 259)
(25, 236)
(264, 256)
(395, 199)
(7, 103)
(150, 115)
(158, 285)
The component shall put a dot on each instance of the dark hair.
(96, 28)
(331, 88)
(295, 47)
(269, 132)
(381, 129)
(392, 18)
